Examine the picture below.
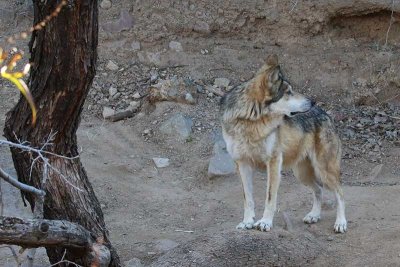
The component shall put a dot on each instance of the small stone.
(106, 4)
(136, 95)
(134, 104)
(222, 82)
(202, 27)
(178, 126)
(165, 245)
(125, 22)
(161, 162)
(153, 76)
(135, 262)
(135, 46)
(116, 96)
(200, 89)
(175, 46)
(108, 112)
(360, 82)
(189, 98)
(112, 91)
(112, 66)
(147, 132)
(329, 238)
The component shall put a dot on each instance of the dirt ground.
(333, 51)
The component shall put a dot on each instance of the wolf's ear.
(275, 74)
(272, 60)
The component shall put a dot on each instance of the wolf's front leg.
(246, 174)
(274, 167)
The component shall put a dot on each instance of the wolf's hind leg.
(305, 173)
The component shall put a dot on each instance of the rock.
(125, 22)
(135, 262)
(189, 98)
(134, 105)
(135, 46)
(112, 91)
(178, 126)
(202, 27)
(175, 46)
(165, 245)
(161, 162)
(108, 112)
(112, 66)
(106, 4)
(222, 82)
(136, 95)
(150, 57)
(219, 147)
(174, 89)
(147, 132)
(360, 82)
(199, 89)
(116, 96)
(153, 76)
(221, 164)
(213, 90)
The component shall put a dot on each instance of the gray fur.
(310, 120)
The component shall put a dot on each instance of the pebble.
(134, 104)
(106, 4)
(112, 91)
(135, 46)
(161, 162)
(112, 66)
(135, 262)
(108, 112)
(136, 95)
(175, 46)
(202, 27)
(222, 82)
(189, 98)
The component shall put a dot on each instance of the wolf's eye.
(289, 93)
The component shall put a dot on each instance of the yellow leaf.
(22, 87)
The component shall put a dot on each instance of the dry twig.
(390, 25)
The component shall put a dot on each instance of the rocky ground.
(167, 186)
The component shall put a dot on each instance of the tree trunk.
(64, 56)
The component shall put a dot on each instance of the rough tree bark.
(64, 58)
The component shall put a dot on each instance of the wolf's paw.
(245, 225)
(264, 225)
(340, 226)
(311, 218)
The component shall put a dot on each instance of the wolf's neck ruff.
(247, 101)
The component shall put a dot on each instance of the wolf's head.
(277, 93)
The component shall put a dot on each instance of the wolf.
(267, 126)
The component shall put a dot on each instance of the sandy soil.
(339, 64)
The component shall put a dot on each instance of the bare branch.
(294, 6)
(44, 233)
(390, 25)
(31, 149)
(40, 152)
(24, 187)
